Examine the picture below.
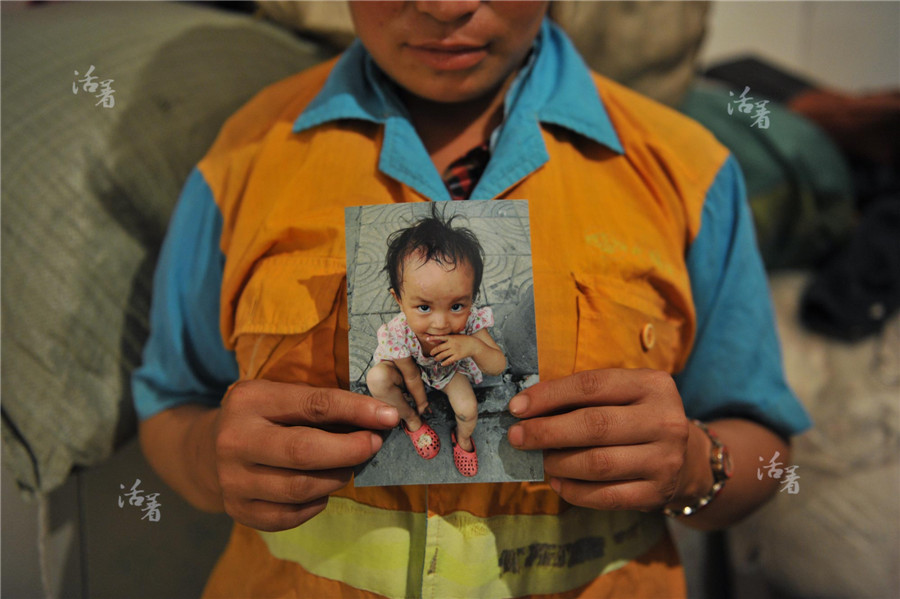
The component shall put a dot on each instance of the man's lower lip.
(443, 60)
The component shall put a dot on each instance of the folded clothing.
(858, 289)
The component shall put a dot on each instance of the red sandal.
(425, 440)
(466, 461)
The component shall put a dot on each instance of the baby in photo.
(440, 338)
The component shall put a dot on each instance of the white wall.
(851, 46)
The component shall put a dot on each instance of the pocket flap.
(289, 294)
(622, 325)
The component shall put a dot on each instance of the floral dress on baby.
(396, 340)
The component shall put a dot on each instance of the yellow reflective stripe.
(402, 554)
(522, 555)
(366, 547)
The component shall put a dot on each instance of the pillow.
(329, 21)
(650, 47)
(87, 191)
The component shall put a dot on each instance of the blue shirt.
(735, 367)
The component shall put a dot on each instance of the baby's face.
(448, 51)
(435, 299)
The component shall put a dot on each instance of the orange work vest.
(609, 237)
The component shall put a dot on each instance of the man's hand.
(281, 449)
(613, 439)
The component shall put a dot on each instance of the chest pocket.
(623, 325)
(290, 322)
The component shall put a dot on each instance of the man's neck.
(450, 130)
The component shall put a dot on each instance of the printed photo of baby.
(425, 338)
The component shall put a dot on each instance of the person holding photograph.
(439, 339)
(660, 369)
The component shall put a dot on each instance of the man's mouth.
(442, 56)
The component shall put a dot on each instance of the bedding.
(87, 190)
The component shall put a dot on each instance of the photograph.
(430, 287)
(450, 299)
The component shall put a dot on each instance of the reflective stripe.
(511, 556)
(366, 547)
(461, 555)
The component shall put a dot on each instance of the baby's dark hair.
(436, 239)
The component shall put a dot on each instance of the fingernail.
(387, 416)
(516, 435)
(518, 405)
(377, 442)
(555, 484)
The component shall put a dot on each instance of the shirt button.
(648, 337)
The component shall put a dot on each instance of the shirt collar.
(563, 92)
(355, 89)
(555, 88)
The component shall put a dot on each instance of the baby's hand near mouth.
(453, 348)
